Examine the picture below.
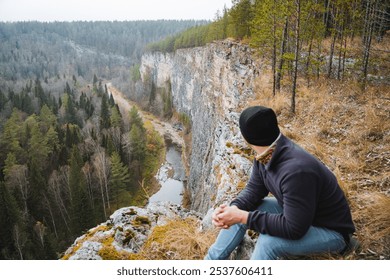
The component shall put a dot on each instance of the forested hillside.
(66, 165)
(31, 50)
(338, 39)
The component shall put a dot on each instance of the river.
(171, 176)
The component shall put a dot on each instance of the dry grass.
(372, 210)
(349, 131)
(178, 240)
(109, 252)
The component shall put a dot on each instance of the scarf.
(266, 156)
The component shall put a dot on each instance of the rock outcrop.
(125, 232)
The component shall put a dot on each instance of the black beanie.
(259, 125)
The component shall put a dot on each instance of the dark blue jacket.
(304, 187)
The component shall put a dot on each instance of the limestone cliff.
(211, 85)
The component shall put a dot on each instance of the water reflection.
(171, 184)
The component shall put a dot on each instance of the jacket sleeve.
(299, 192)
(251, 196)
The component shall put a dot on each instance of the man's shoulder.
(292, 157)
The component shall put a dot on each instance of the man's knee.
(226, 242)
(267, 247)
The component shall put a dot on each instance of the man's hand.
(225, 216)
(216, 221)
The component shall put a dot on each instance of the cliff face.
(211, 85)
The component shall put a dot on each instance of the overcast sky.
(70, 10)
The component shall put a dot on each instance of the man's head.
(259, 125)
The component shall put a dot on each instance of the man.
(308, 213)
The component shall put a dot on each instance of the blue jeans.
(317, 240)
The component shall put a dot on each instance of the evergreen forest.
(68, 158)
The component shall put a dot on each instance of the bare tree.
(17, 178)
(40, 230)
(58, 187)
(116, 136)
(19, 240)
(48, 206)
(101, 164)
(87, 171)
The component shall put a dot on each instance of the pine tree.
(38, 149)
(120, 178)
(112, 101)
(94, 84)
(137, 139)
(10, 136)
(81, 210)
(47, 118)
(115, 117)
(70, 109)
(8, 220)
(39, 93)
(242, 16)
(68, 89)
(3, 100)
(16, 180)
(135, 118)
(104, 113)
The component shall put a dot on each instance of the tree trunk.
(340, 51)
(368, 37)
(297, 26)
(281, 61)
(51, 215)
(344, 57)
(326, 17)
(330, 64)
(101, 165)
(308, 60)
(274, 52)
(319, 60)
(19, 243)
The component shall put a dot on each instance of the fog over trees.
(37, 50)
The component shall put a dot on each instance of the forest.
(332, 38)
(67, 165)
(41, 50)
(68, 158)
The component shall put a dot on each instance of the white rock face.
(88, 251)
(127, 230)
(212, 85)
